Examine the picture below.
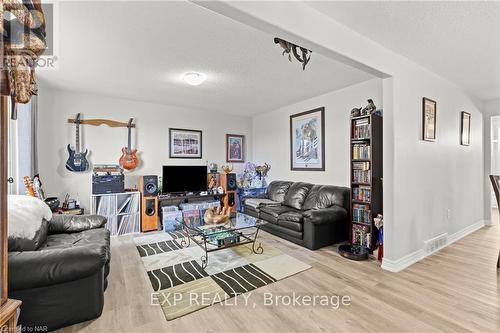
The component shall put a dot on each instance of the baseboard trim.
(408, 260)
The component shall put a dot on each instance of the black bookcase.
(366, 178)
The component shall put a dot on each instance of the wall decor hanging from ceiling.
(23, 38)
(307, 140)
(289, 48)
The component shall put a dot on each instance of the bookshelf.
(366, 178)
(121, 209)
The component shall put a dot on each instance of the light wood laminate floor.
(454, 290)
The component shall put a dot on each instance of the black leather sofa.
(62, 282)
(310, 215)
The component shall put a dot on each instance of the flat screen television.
(185, 178)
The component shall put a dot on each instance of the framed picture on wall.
(235, 148)
(307, 140)
(465, 129)
(428, 119)
(185, 143)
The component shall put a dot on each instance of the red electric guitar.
(129, 160)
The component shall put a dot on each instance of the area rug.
(181, 286)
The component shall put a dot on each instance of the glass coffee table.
(238, 230)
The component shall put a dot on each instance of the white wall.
(421, 180)
(271, 134)
(491, 109)
(104, 143)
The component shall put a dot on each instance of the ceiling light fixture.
(194, 79)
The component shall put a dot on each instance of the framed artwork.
(307, 140)
(428, 119)
(235, 148)
(185, 143)
(465, 129)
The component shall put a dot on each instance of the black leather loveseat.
(62, 282)
(309, 215)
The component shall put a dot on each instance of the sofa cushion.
(295, 226)
(95, 237)
(324, 196)
(258, 202)
(297, 194)
(276, 211)
(277, 190)
(293, 216)
(27, 222)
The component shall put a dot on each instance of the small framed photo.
(307, 140)
(185, 143)
(465, 129)
(428, 119)
(235, 148)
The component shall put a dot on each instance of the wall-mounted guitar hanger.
(99, 122)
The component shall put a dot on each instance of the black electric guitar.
(77, 161)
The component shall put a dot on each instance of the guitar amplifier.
(105, 184)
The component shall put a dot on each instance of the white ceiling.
(139, 50)
(457, 40)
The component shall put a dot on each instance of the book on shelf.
(361, 151)
(361, 129)
(361, 214)
(362, 193)
(361, 236)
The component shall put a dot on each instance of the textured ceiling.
(139, 50)
(457, 40)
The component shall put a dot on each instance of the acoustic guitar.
(129, 160)
(77, 161)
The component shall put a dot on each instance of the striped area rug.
(181, 286)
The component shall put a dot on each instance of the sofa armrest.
(75, 223)
(33, 269)
(326, 215)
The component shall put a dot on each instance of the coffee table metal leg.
(258, 249)
(204, 258)
(185, 243)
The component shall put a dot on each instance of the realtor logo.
(29, 30)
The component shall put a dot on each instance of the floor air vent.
(436, 243)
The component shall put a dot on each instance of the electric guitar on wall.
(129, 160)
(77, 161)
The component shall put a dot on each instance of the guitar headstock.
(77, 119)
(29, 186)
(130, 123)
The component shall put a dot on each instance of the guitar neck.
(77, 148)
(129, 139)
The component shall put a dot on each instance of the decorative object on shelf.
(185, 143)
(253, 176)
(356, 112)
(290, 48)
(379, 224)
(235, 148)
(465, 129)
(213, 167)
(307, 140)
(129, 160)
(212, 182)
(77, 160)
(24, 41)
(369, 108)
(262, 170)
(227, 168)
(217, 215)
(428, 119)
(220, 189)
